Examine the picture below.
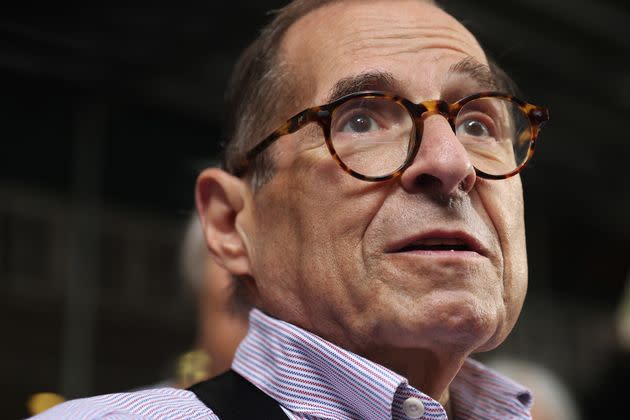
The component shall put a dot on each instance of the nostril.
(427, 181)
(465, 185)
(469, 180)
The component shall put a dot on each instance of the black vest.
(232, 397)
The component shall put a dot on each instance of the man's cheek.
(502, 201)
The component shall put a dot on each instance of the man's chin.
(463, 325)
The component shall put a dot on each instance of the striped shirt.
(312, 378)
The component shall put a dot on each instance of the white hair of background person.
(552, 398)
(193, 254)
(193, 265)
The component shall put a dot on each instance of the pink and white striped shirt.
(314, 379)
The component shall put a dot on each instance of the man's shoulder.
(159, 403)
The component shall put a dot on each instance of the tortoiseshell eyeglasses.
(375, 136)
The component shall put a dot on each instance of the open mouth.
(437, 245)
(440, 242)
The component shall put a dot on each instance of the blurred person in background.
(622, 323)
(605, 397)
(222, 319)
(370, 203)
(552, 398)
(222, 310)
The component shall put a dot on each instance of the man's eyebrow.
(480, 73)
(371, 80)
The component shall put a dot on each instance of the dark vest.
(232, 397)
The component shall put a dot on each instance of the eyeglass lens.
(373, 135)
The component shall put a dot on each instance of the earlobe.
(221, 202)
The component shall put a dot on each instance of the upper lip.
(438, 237)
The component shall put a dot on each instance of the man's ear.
(222, 201)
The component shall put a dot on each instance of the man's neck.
(429, 373)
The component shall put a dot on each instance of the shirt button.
(413, 408)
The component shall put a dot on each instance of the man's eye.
(360, 123)
(473, 128)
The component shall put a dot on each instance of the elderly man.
(379, 231)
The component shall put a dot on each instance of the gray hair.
(193, 254)
(193, 257)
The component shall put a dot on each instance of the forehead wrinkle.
(426, 37)
(327, 42)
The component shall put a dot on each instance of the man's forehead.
(476, 75)
(343, 39)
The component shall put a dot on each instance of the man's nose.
(442, 164)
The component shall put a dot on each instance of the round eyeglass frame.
(322, 115)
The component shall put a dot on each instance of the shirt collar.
(310, 376)
(501, 396)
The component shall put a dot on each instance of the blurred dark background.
(107, 114)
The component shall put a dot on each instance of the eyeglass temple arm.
(290, 126)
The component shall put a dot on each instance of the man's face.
(433, 258)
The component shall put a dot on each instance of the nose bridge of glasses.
(424, 110)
